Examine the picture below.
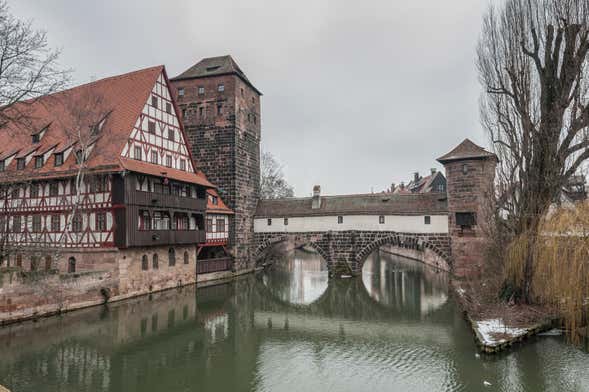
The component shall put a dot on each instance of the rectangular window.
(55, 223)
(36, 138)
(53, 189)
(160, 221)
(151, 126)
(168, 160)
(219, 109)
(77, 223)
(214, 200)
(144, 220)
(340, 220)
(200, 111)
(20, 163)
(285, 221)
(209, 225)
(221, 88)
(100, 222)
(171, 134)
(154, 157)
(181, 92)
(201, 90)
(38, 162)
(465, 219)
(183, 164)
(269, 221)
(168, 107)
(154, 101)
(36, 223)
(220, 225)
(2, 165)
(16, 224)
(381, 219)
(59, 159)
(427, 220)
(137, 153)
(34, 190)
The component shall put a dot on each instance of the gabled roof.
(123, 97)
(215, 66)
(466, 150)
(424, 184)
(220, 207)
(367, 204)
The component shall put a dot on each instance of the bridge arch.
(412, 247)
(268, 243)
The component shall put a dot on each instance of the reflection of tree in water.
(403, 284)
(300, 278)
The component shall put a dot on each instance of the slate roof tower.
(221, 114)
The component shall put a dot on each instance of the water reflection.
(300, 278)
(403, 284)
(394, 329)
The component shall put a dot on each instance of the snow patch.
(489, 330)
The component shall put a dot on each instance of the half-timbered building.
(100, 177)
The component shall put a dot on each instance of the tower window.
(221, 88)
(219, 109)
(427, 220)
(465, 219)
(144, 263)
(181, 92)
(465, 169)
(242, 93)
(285, 221)
(269, 221)
(200, 111)
(201, 90)
(154, 101)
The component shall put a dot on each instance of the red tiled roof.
(122, 97)
(220, 207)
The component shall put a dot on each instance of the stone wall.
(346, 251)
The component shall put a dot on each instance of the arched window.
(186, 260)
(144, 263)
(71, 265)
(154, 262)
(47, 263)
(171, 257)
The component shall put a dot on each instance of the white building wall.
(399, 223)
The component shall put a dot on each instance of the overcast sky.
(357, 94)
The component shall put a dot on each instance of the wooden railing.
(213, 265)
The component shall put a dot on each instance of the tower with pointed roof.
(221, 114)
(470, 175)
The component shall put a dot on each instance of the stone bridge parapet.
(346, 251)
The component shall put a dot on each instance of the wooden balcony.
(213, 265)
(167, 237)
(158, 200)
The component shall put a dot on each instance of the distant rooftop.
(215, 66)
(466, 150)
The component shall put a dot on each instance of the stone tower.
(221, 114)
(470, 174)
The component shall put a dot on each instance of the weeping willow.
(559, 248)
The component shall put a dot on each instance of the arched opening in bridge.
(403, 284)
(298, 276)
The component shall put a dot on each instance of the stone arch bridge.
(346, 251)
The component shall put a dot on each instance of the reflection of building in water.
(217, 326)
(404, 284)
(299, 279)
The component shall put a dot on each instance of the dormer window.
(39, 162)
(79, 156)
(20, 163)
(213, 68)
(59, 159)
(215, 200)
(2, 165)
(36, 138)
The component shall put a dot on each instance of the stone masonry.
(346, 251)
(223, 127)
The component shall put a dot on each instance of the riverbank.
(499, 326)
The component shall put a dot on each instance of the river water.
(288, 329)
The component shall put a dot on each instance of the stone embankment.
(3, 389)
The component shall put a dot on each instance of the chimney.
(433, 169)
(316, 197)
(393, 186)
(415, 176)
(402, 186)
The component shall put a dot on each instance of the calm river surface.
(288, 329)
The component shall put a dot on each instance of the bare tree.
(272, 184)
(533, 65)
(28, 67)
